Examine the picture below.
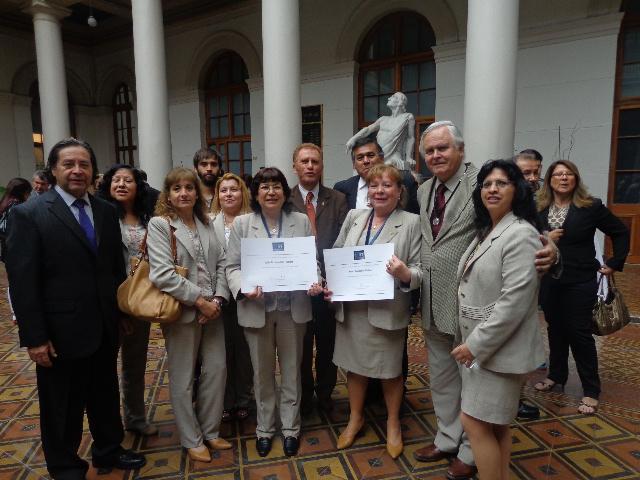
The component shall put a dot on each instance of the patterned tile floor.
(560, 445)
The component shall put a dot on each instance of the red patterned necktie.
(311, 212)
(437, 215)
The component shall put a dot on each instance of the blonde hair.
(378, 171)
(312, 146)
(580, 195)
(244, 206)
(164, 207)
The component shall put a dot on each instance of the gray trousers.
(134, 364)
(185, 342)
(446, 390)
(280, 333)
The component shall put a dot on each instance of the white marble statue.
(395, 133)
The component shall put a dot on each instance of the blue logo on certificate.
(358, 255)
(278, 246)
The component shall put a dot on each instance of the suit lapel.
(288, 225)
(98, 218)
(296, 199)
(458, 200)
(503, 224)
(256, 228)
(323, 197)
(61, 210)
(391, 228)
(358, 224)
(203, 233)
(182, 235)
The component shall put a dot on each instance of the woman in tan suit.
(231, 199)
(199, 332)
(498, 312)
(275, 321)
(370, 335)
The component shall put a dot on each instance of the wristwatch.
(218, 301)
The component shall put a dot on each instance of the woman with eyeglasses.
(572, 216)
(274, 322)
(498, 313)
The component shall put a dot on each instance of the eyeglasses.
(266, 187)
(563, 174)
(500, 184)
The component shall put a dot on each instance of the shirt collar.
(68, 198)
(304, 191)
(361, 183)
(455, 178)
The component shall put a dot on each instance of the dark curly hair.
(523, 204)
(142, 206)
(269, 174)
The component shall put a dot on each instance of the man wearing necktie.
(66, 267)
(326, 209)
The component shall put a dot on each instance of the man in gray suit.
(447, 215)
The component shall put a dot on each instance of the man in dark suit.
(326, 209)
(65, 265)
(365, 154)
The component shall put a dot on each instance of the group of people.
(469, 241)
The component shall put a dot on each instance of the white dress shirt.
(362, 200)
(315, 191)
(69, 199)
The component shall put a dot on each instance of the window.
(396, 56)
(227, 112)
(122, 126)
(312, 125)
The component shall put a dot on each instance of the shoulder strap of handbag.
(143, 252)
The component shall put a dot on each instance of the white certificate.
(278, 264)
(359, 273)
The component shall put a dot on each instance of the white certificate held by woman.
(278, 264)
(359, 273)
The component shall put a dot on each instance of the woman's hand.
(254, 294)
(327, 294)
(398, 269)
(463, 355)
(606, 270)
(556, 234)
(315, 289)
(208, 310)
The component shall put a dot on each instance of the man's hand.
(547, 257)
(43, 354)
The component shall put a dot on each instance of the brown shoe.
(458, 470)
(431, 453)
(199, 454)
(219, 444)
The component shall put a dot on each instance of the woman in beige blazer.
(370, 335)
(199, 332)
(498, 309)
(231, 199)
(275, 321)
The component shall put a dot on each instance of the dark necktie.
(85, 223)
(311, 212)
(437, 215)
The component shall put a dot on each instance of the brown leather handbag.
(609, 314)
(140, 298)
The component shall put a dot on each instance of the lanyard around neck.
(433, 185)
(377, 234)
(266, 228)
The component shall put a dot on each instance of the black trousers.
(567, 309)
(323, 329)
(65, 390)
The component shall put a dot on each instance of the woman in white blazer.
(498, 313)
(275, 321)
(199, 332)
(231, 199)
(370, 335)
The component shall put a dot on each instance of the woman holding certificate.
(272, 321)
(370, 335)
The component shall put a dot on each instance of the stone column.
(490, 79)
(154, 138)
(52, 81)
(281, 57)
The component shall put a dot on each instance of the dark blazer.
(576, 244)
(330, 214)
(60, 289)
(350, 189)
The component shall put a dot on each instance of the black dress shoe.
(530, 412)
(263, 446)
(290, 445)
(124, 460)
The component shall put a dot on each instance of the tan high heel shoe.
(395, 451)
(199, 454)
(219, 444)
(345, 440)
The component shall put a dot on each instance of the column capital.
(55, 9)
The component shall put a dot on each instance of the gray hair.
(42, 175)
(454, 131)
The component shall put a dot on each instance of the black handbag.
(609, 314)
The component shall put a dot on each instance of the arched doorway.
(228, 125)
